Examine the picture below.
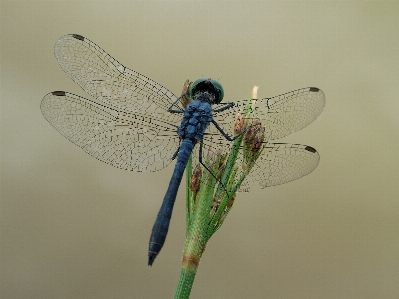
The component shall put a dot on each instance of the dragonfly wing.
(107, 80)
(124, 139)
(280, 115)
(281, 163)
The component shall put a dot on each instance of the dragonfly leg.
(224, 134)
(226, 106)
(176, 153)
(201, 162)
(176, 111)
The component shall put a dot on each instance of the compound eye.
(196, 85)
(219, 90)
(205, 84)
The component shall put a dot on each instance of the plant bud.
(196, 178)
(254, 137)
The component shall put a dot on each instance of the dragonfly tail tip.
(151, 259)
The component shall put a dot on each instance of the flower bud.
(216, 203)
(254, 136)
(227, 210)
(230, 204)
(254, 97)
(239, 123)
(253, 143)
(196, 178)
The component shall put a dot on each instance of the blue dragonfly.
(136, 124)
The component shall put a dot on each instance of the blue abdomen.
(195, 120)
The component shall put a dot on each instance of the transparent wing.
(278, 164)
(107, 80)
(280, 115)
(121, 138)
(281, 163)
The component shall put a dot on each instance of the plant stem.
(193, 249)
(196, 238)
(186, 281)
(208, 203)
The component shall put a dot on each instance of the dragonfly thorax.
(195, 120)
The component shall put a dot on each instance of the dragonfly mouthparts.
(205, 96)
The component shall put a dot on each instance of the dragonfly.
(131, 122)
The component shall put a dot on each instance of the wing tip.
(310, 149)
(79, 37)
(59, 93)
(314, 89)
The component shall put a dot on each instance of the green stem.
(193, 249)
(196, 236)
(202, 220)
(191, 258)
(186, 281)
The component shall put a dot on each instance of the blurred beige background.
(73, 227)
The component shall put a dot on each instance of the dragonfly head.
(208, 90)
